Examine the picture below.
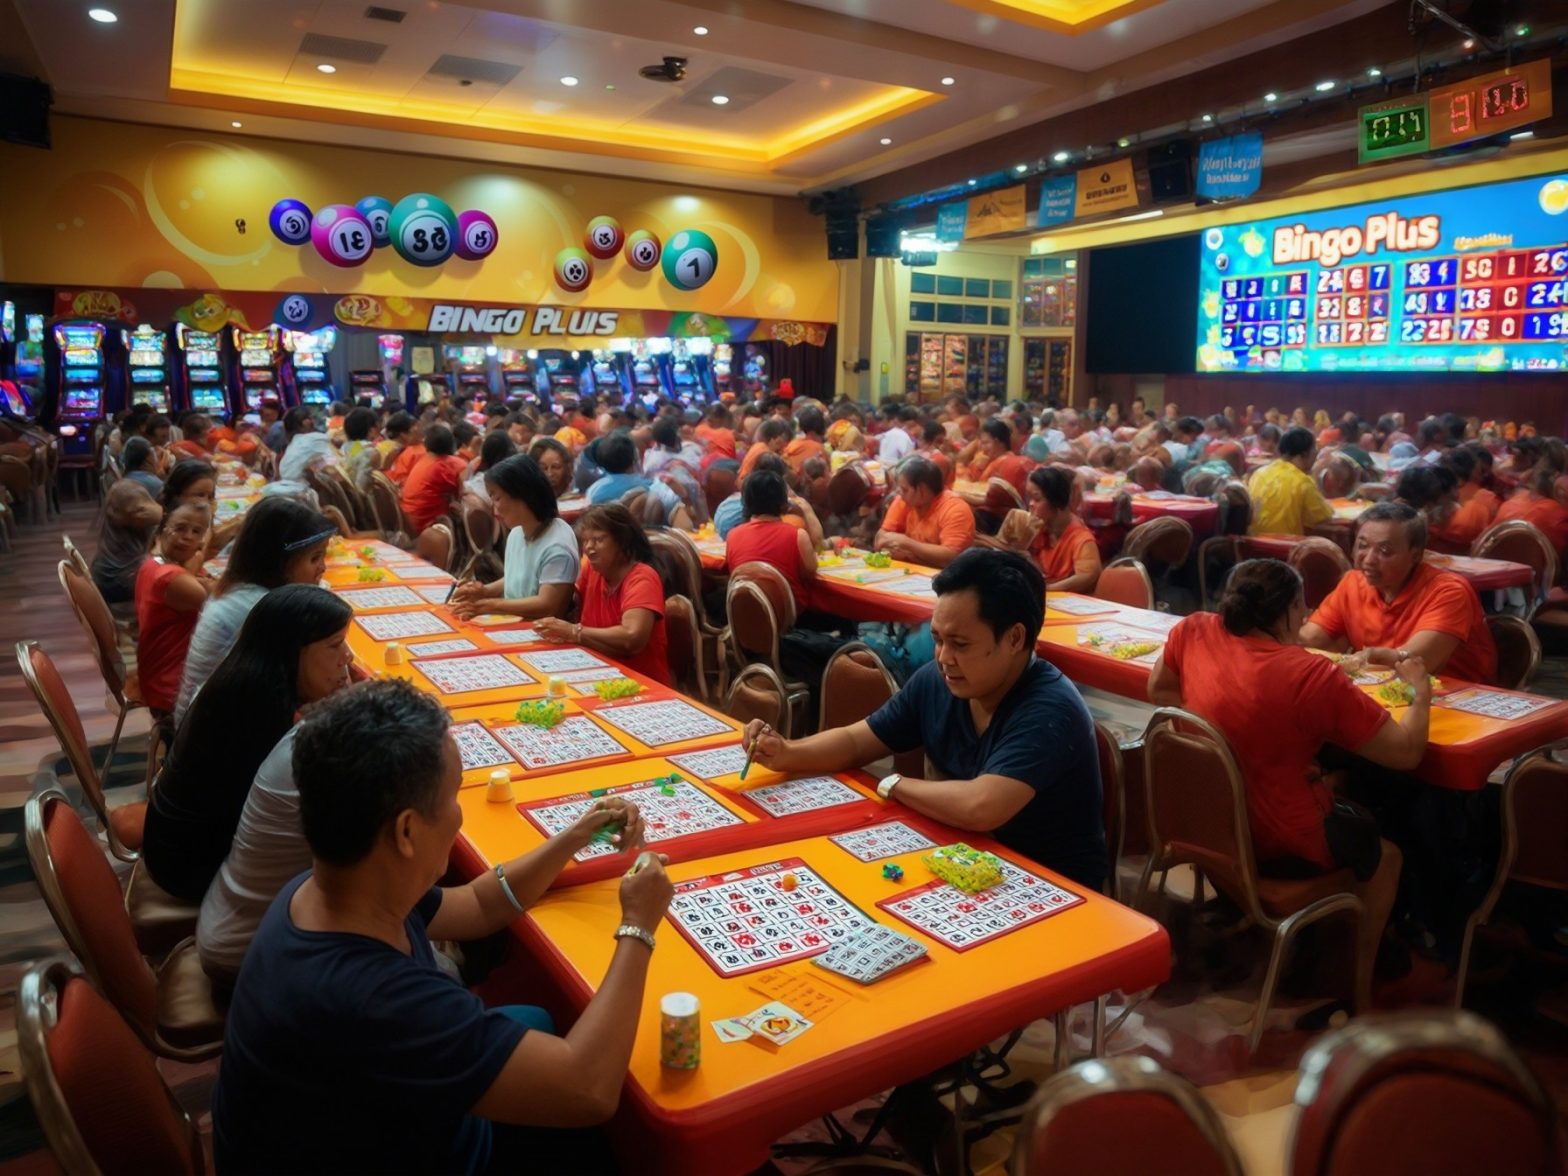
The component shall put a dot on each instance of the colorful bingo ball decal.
(294, 311)
(290, 221)
(378, 211)
(573, 270)
(643, 250)
(423, 228)
(690, 259)
(604, 237)
(341, 235)
(476, 235)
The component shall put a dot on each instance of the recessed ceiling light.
(972, 183)
(103, 15)
(325, 68)
(1469, 43)
(1208, 118)
(948, 81)
(568, 80)
(1374, 72)
(886, 142)
(1021, 168)
(236, 124)
(1062, 156)
(1514, 138)
(1124, 142)
(1271, 96)
(608, 87)
(1324, 87)
(701, 30)
(721, 100)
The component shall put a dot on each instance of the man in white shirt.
(896, 444)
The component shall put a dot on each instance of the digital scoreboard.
(1450, 115)
(1469, 280)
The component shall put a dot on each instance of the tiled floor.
(1195, 1024)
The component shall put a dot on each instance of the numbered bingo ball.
(643, 250)
(294, 311)
(378, 211)
(290, 221)
(476, 235)
(423, 229)
(573, 270)
(604, 237)
(341, 235)
(690, 259)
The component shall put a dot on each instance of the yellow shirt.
(1285, 500)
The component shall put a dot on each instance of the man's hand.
(1413, 671)
(646, 891)
(607, 813)
(555, 629)
(767, 746)
(898, 546)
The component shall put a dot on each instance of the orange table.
(487, 633)
(1201, 514)
(837, 590)
(744, 1095)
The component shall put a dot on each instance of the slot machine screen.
(1473, 280)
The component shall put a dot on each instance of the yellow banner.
(997, 212)
(1106, 188)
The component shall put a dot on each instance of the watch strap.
(629, 931)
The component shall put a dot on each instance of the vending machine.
(257, 365)
(82, 381)
(204, 390)
(147, 365)
(312, 382)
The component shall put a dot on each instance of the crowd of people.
(312, 817)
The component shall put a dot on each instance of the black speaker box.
(1170, 171)
(24, 110)
(884, 236)
(843, 236)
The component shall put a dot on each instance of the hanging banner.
(1229, 169)
(950, 219)
(1058, 196)
(1106, 188)
(1006, 211)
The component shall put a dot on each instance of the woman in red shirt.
(620, 596)
(1276, 703)
(765, 537)
(1065, 550)
(1535, 502)
(170, 591)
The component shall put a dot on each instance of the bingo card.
(745, 920)
(556, 661)
(391, 626)
(961, 921)
(656, 723)
(910, 586)
(479, 748)
(1077, 606)
(436, 595)
(1111, 638)
(394, 597)
(1493, 704)
(513, 636)
(713, 763)
(459, 675)
(882, 841)
(573, 740)
(420, 571)
(432, 648)
(689, 810)
(802, 796)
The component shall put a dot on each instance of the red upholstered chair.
(757, 693)
(854, 684)
(1518, 650)
(679, 565)
(171, 1010)
(78, 560)
(93, 614)
(1126, 581)
(761, 610)
(1235, 503)
(685, 648)
(103, 1106)
(1321, 563)
(847, 489)
(1421, 1092)
(1121, 1117)
(1113, 796)
(1521, 542)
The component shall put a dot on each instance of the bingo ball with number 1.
(423, 228)
(643, 250)
(690, 259)
(341, 235)
(290, 221)
(476, 235)
(604, 237)
(573, 270)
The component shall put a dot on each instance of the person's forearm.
(603, 1036)
(827, 751)
(813, 524)
(529, 607)
(529, 876)
(1078, 582)
(954, 802)
(618, 641)
(931, 555)
(1416, 722)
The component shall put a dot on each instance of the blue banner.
(950, 221)
(1058, 196)
(1230, 168)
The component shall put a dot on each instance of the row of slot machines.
(547, 376)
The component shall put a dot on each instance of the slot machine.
(722, 359)
(13, 402)
(518, 381)
(562, 374)
(81, 398)
(147, 366)
(647, 374)
(257, 365)
(688, 370)
(471, 371)
(390, 348)
(368, 383)
(755, 370)
(312, 382)
(204, 390)
(608, 372)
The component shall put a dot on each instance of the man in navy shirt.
(1009, 737)
(347, 1049)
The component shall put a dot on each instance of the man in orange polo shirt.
(809, 444)
(773, 436)
(927, 523)
(1394, 606)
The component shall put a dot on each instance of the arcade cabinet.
(257, 365)
(14, 403)
(648, 379)
(755, 370)
(147, 366)
(390, 348)
(687, 370)
(204, 390)
(518, 381)
(608, 373)
(470, 367)
(312, 382)
(80, 404)
(367, 382)
(562, 373)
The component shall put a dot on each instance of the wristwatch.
(630, 931)
(887, 784)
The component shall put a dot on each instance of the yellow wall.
(115, 204)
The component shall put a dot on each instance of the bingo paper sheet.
(513, 636)
(432, 648)
(802, 796)
(882, 841)
(479, 748)
(555, 661)
(420, 571)
(1106, 636)
(961, 921)
(460, 675)
(863, 575)
(1077, 606)
(745, 920)
(391, 626)
(573, 740)
(711, 764)
(654, 724)
(910, 586)
(436, 595)
(1492, 704)
(690, 810)
(394, 597)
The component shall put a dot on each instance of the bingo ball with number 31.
(690, 259)
(643, 250)
(424, 229)
(476, 235)
(290, 221)
(342, 235)
(604, 237)
(573, 270)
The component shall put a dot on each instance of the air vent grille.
(341, 49)
(390, 15)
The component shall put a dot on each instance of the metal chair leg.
(114, 744)
(1097, 1038)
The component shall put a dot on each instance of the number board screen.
(1473, 280)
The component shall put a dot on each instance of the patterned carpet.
(1196, 1024)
